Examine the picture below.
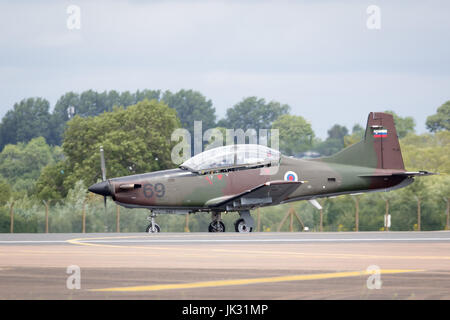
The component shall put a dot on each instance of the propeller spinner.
(102, 188)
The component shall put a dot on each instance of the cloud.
(317, 56)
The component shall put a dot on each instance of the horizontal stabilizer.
(416, 173)
(405, 174)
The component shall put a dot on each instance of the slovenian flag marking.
(381, 133)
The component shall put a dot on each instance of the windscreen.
(232, 155)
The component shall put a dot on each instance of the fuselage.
(193, 191)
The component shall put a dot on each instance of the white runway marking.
(258, 240)
(32, 241)
(149, 241)
(398, 237)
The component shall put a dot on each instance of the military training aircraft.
(241, 177)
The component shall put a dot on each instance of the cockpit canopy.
(232, 156)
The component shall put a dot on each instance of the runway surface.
(363, 265)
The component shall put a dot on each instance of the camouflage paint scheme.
(373, 164)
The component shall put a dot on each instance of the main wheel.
(149, 229)
(216, 226)
(241, 227)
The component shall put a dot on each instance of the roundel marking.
(290, 176)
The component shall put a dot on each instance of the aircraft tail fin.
(379, 149)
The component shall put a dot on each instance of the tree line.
(54, 156)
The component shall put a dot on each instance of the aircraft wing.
(272, 192)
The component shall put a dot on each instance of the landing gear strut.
(216, 225)
(152, 227)
(245, 223)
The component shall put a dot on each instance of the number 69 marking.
(159, 189)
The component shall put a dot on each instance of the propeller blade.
(102, 163)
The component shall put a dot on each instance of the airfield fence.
(89, 215)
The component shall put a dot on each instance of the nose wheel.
(152, 227)
(156, 229)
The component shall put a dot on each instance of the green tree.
(427, 152)
(30, 118)
(135, 140)
(253, 113)
(5, 191)
(337, 132)
(334, 142)
(191, 106)
(403, 125)
(50, 184)
(440, 120)
(60, 115)
(21, 164)
(296, 134)
(356, 136)
(91, 103)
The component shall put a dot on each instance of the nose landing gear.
(152, 227)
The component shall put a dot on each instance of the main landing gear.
(216, 224)
(244, 224)
(152, 227)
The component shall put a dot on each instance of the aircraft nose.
(101, 188)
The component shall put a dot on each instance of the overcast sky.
(317, 56)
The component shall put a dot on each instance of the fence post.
(298, 218)
(83, 217)
(356, 199)
(386, 216)
(321, 220)
(418, 212)
(186, 223)
(11, 214)
(117, 218)
(46, 215)
(447, 200)
(282, 221)
(321, 215)
(291, 213)
(291, 220)
(258, 220)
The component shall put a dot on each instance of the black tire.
(158, 229)
(219, 228)
(238, 226)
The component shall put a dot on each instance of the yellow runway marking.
(237, 282)
(80, 241)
